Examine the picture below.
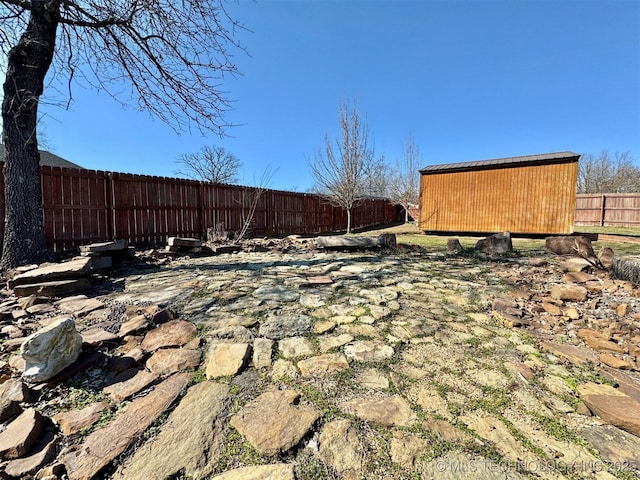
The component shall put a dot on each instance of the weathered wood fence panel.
(83, 206)
(608, 209)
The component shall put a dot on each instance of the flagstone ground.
(375, 365)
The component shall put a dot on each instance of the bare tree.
(377, 182)
(340, 171)
(608, 174)
(211, 164)
(404, 186)
(249, 200)
(173, 55)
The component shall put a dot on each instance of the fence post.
(602, 209)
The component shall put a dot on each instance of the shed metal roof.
(525, 160)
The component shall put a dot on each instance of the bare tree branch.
(250, 197)
(169, 58)
(404, 183)
(608, 174)
(211, 164)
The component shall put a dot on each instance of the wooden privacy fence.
(82, 206)
(608, 209)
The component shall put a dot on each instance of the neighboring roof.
(47, 158)
(526, 160)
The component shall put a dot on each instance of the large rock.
(599, 341)
(497, 244)
(295, 347)
(79, 306)
(406, 448)
(334, 341)
(272, 423)
(21, 434)
(189, 442)
(97, 336)
(462, 466)
(226, 359)
(570, 245)
(85, 460)
(48, 351)
(356, 242)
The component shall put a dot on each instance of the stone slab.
(85, 460)
(79, 306)
(104, 247)
(174, 333)
(66, 270)
(52, 289)
(96, 336)
(577, 355)
(42, 453)
(384, 411)
(276, 471)
(74, 421)
(226, 359)
(612, 406)
(272, 423)
(12, 393)
(184, 242)
(340, 448)
(262, 352)
(189, 442)
(323, 364)
(21, 434)
(129, 383)
(171, 360)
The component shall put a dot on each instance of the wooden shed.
(533, 194)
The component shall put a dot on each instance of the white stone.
(50, 350)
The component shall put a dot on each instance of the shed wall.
(536, 199)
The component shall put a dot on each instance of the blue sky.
(469, 80)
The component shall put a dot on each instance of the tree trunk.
(348, 220)
(27, 66)
(406, 214)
